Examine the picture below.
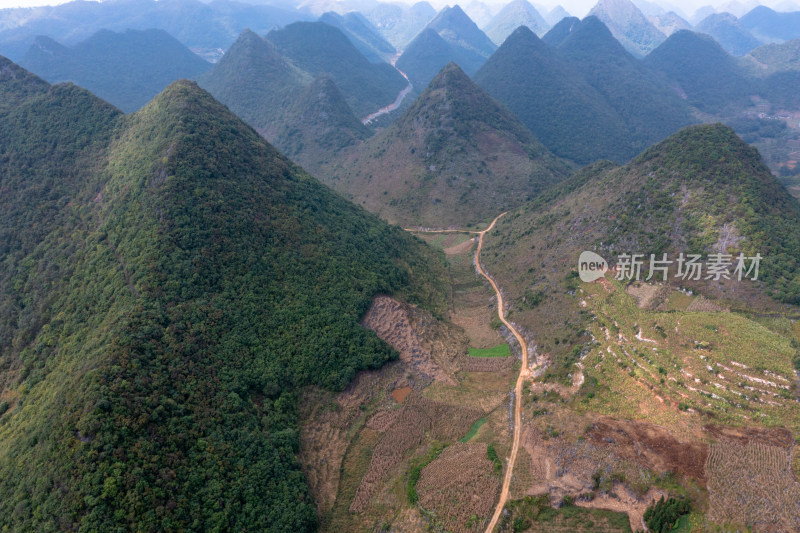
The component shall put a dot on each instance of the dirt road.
(523, 372)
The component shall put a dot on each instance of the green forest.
(165, 306)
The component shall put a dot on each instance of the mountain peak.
(592, 36)
(455, 26)
(450, 74)
(457, 157)
(517, 13)
(628, 25)
(561, 31)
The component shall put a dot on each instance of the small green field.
(534, 514)
(501, 350)
(473, 430)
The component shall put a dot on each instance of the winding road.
(524, 372)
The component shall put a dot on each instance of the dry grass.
(753, 485)
(459, 488)
(417, 418)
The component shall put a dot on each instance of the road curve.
(523, 371)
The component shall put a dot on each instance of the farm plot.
(753, 485)
(418, 418)
(459, 488)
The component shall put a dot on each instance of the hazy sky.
(575, 7)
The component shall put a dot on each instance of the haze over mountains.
(126, 69)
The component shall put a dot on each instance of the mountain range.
(727, 31)
(260, 79)
(578, 98)
(126, 69)
(454, 157)
(450, 37)
(214, 26)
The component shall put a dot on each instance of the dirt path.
(523, 372)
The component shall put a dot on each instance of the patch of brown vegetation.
(458, 485)
(401, 394)
(383, 419)
(780, 437)
(648, 296)
(429, 347)
(753, 484)
(651, 446)
(704, 304)
(417, 417)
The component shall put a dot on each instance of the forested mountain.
(512, 16)
(255, 81)
(318, 48)
(561, 31)
(670, 22)
(585, 100)
(428, 53)
(362, 34)
(776, 57)
(769, 25)
(628, 25)
(126, 69)
(649, 107)
(727, 31)
(214, 26)
(318, 125)
(454, 157)
(170, 281)
(710, 78)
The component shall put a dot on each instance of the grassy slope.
(678, 195)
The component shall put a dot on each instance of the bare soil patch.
(390, 320)
(401, 394)
(651, 446)
(461, 248)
